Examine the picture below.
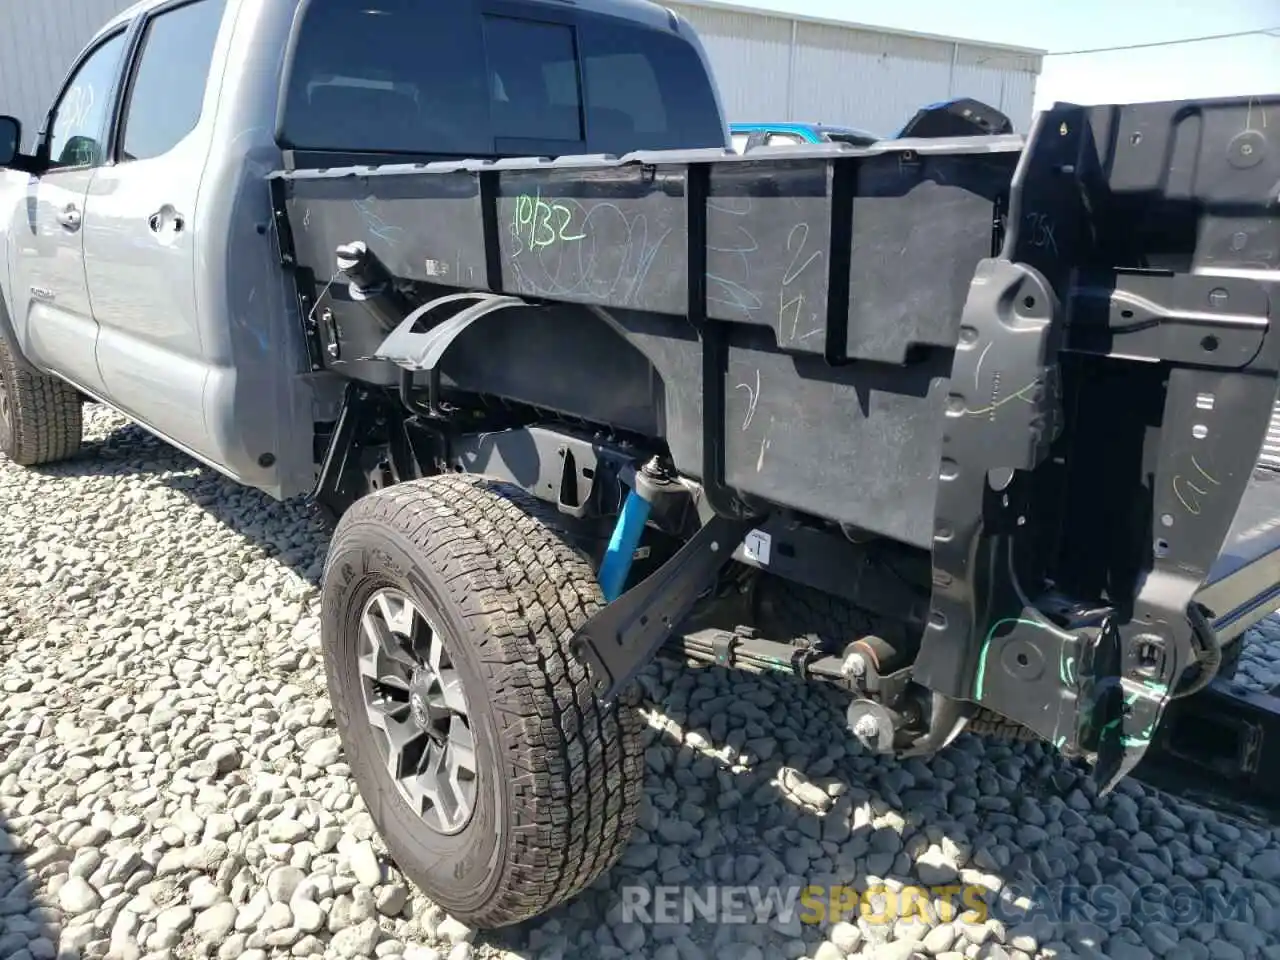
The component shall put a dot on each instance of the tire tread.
(574, 765)
(46, 414)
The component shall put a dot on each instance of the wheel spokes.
(415, 698)
(461, 751)
(448, 695)
(448, 782)
(389, 641)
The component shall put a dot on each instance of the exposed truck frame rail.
(1011, 358)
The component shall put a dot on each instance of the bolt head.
(855, 665)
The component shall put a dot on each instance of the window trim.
(136, 50)
(287, 68)
(45, 142)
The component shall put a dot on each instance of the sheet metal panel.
(38, 41)
(853, 76)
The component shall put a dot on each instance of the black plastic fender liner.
(422, 352)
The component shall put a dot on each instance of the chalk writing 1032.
(544, 223)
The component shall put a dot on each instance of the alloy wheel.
(414, 697)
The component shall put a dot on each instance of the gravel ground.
(171, 784)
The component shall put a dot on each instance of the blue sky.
(1216, 68)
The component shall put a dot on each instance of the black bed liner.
(1049, 362)
(791, 281)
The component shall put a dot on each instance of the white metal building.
(38, 41)
(770, 66)
(777, 67)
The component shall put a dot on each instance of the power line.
(1268, 31)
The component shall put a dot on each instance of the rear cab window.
(472, 78)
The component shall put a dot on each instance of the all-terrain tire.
(560, 774)
(811, 619)
(40, 416)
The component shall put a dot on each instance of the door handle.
(166, 213)
(69, 217)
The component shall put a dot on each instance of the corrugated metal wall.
(1270, 456)
(38, 41)
(775, 68)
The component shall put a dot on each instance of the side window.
(533, 77)
(398, 76)
(78, 135)
(779, 139)
(645, 88)
(166, 96)
(740, 141)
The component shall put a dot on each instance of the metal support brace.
(621, 639)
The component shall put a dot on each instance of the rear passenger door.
(141, 218)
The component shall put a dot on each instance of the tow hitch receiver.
(1220, 749)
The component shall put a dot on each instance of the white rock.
(455, 931)
(77, 897)
(283, 883)
(846, 936)
(286, 831)
(216, 923)
(357, 941)
(364, 864)
(176, 919)
(323, 753)
(307, 916)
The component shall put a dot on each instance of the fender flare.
(9, 335)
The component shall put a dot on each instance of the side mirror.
(10, 140)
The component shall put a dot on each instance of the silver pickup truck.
(964, 427)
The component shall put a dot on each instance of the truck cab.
(136, 250)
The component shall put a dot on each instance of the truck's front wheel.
(40, 416)
(501, 786)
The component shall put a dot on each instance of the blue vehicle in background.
(950, 118)
(748, 136)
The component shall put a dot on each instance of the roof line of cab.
(647, 12)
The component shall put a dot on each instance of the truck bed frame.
(1038, 371)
